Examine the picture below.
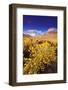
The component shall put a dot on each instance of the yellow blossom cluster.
(40, 54)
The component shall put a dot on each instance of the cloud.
(33, 32)
(52, 29)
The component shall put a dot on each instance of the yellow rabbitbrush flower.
(27, 41)
(40, 55)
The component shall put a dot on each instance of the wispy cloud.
(34, 32)
(52, 29)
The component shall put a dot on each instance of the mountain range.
(51, 35)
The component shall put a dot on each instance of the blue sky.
(36, 25)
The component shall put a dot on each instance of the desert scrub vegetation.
(39, 56)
